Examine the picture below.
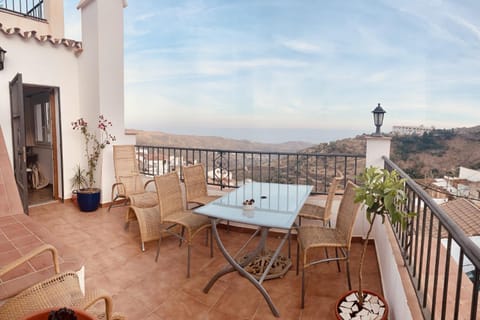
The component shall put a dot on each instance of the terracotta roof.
(466, 214)
(76, 46)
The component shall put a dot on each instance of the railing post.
(377, 147)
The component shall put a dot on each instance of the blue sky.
(298, 65)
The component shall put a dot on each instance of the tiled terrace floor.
(143, 289)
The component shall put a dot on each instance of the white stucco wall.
(469, 174)
(48, 65)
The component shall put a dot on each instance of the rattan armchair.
(130, 186)
(173, 214)
(60, 290)
(317, 212)
(312, 237)
(196, 192)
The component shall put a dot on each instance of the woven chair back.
(60, 290)
(195, 181)
(130, 184)
(330, 196)
(125, 160)
(169, 193)
(126, 170)
(347, 213)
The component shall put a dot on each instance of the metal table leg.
(234, 265)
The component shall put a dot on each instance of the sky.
(297, 70)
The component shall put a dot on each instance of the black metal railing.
(435, 251)
(231, 168)
(28, 8)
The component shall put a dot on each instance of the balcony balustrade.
(27, 8)
(435, 251)
(231, 168)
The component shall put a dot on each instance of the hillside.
(438, 153)
(210, 142)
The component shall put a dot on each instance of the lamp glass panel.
(378, 118)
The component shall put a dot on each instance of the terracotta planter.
(343, 298)
(43, 315)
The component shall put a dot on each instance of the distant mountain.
(152, 138)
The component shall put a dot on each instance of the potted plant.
(89, 198)
(78, 182)
(382, 193)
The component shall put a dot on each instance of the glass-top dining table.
(264, 206)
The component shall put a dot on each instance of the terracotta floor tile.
(182, 306)
(144, 289)
(7, 220)
(240, 299)
(27, 242)
(6, 246)
(15, 230)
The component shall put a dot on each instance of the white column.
(377, 147)
(102, 77)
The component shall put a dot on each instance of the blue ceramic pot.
(88, 199)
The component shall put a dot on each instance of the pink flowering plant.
(95, 142)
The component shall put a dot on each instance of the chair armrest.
(35, 252)
(147, 183)
(115, 186)
(93, 296)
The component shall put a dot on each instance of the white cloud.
(308, 47)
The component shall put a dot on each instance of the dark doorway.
(35, 113)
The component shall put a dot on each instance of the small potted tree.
(382, 193)
(78, 182)
(89, 198)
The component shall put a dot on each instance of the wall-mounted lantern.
(2, 57)
(378, 114)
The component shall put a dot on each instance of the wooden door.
(18, 138)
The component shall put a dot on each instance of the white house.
(48, 81)
(469, 174)
(411, 130)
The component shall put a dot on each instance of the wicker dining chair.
(318, 212)
(129, 184)
(312, 237)
(148, 223)
(60, 290)
(196, 192)
(173, 214)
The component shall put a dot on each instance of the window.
(43, 134)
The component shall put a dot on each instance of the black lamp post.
(2, 57)
(378, 113)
